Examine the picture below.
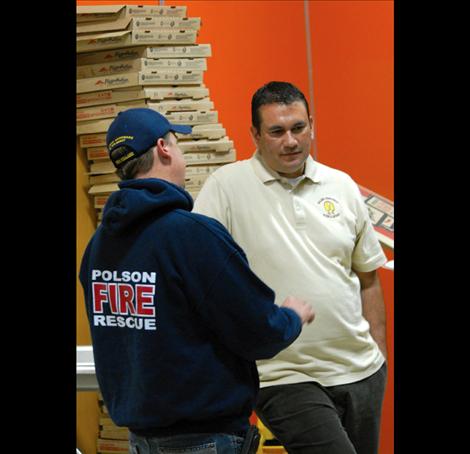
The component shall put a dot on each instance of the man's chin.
(293, 159)
(291, 172)
(293, 166)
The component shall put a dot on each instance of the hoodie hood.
(140, 198)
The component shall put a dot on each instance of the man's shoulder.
(210, 231)
(185, 218)
(232, 171)
(333, 175)
(201, 224)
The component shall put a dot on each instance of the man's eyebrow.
(274, 127)
(295, 125)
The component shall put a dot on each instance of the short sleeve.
(368, 254)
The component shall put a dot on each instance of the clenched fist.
(303, 309)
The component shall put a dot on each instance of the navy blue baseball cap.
(134, 131)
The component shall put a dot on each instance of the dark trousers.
(307, 418)
(206, 443)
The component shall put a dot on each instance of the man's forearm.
(373, 308)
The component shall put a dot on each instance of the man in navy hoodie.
(177, 317)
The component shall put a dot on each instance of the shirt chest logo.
(329, 207)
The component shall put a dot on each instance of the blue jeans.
(307, 418)
(208, 443)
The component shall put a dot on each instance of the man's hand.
(303, 309)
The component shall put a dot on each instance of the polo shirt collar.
(266, 174)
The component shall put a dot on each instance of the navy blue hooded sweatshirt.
(177, 317)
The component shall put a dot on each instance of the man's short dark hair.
(274, 93)
(138, 165)
(142, 164)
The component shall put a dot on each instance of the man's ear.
(162, 149)
(254, 135)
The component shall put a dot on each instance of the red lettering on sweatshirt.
(113, 303)
(100, 296)
(144, 300)
(126, 297)
(123, 300)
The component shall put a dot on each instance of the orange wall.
(247, 39)
(352, 53)
(352, 57)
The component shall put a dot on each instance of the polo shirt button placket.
(299, 212)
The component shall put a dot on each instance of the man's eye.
(277, 132)
(298, 129)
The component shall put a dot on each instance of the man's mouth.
(291, 153)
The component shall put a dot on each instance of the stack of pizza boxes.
(144, 56)
(111, 438)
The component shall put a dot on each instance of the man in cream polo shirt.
(306, 232)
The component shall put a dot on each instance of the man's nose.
(290, 140)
